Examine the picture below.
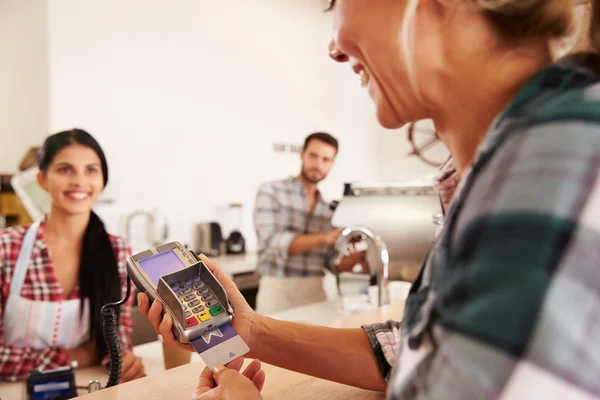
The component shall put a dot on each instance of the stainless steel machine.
(399, 222)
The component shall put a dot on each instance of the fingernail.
(139, 297)
(164, 319)
(217, 368)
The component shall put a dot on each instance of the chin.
(388, 120)
(74, 210)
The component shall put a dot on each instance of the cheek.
(98, 184)
(56, 184)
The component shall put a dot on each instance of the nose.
(335, 53)
(77, 179)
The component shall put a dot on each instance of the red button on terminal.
(191, 321)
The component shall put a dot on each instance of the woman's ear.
(41, 179)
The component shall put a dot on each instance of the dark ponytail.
(98, 276)
(99, 279)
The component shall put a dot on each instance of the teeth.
(78, 196)
(364, 78)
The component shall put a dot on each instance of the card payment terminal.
(192, 296)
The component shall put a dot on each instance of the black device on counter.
(235, 243)
(56, 384)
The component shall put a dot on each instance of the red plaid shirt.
(41, 284)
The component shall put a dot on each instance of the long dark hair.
(98, 270)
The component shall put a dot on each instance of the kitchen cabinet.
(12, 210)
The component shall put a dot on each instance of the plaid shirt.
(41, 284)
(280, 214)
(446, 182)
(507, 304)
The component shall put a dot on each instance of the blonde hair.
(516, 20)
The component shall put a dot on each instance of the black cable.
(110, 326)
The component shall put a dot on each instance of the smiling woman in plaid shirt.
(507, 305)
(56, 274)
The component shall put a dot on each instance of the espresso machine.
(398, 221)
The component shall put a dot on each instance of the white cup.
(398, 291)
(373, 292)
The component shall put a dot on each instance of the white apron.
(41, 324)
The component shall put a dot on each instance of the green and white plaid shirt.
(507, 305)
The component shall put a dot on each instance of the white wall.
(188, 97)
(395, 163)
(23, 79)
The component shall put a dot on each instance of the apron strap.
(23, 259)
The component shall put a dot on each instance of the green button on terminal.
(216, 310)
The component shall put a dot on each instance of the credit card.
(220, 346)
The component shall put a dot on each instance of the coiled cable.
(110, 327)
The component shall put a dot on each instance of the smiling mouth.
(364, 78)
(363, 73)
(78, 196)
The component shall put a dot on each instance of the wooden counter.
(179, 383)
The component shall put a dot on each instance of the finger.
(252, 369)
(143, 303)
(127, 361)
(168, 338)
(206, 379)
(138, 369)
(154, 314)
(216, 270)
(235, 296)
(222, 373)
(127, 370)
(135, 369)
(205, 395)
(236, 364)
(259, 379)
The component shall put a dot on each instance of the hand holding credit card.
(192, 306)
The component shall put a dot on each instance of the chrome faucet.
(150, 233)
(360, 232)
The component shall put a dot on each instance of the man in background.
(295, 235)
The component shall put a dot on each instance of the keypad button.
(205, 316)
(211, 303)
(197, 279)
(184, 306)
(216, 310)
(207, 296)
(175, 288)
(185, 291)
(189, 297)
(191, 322)
(194, 303)
(202, 292)
(199, 285)
(187, 314)
(198, 309)
(181, 286)
(188, 283)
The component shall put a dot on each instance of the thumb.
(222, 373)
